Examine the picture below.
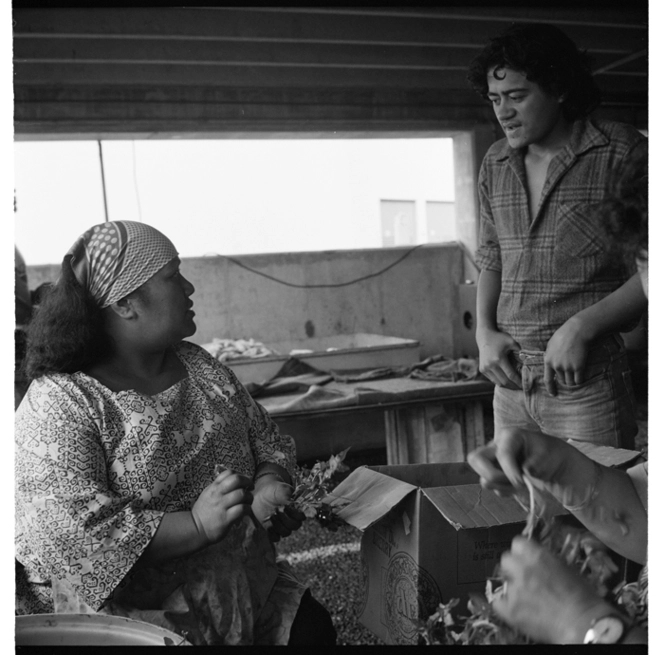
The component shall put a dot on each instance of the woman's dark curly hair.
(546, 56)
(66, 334)
(624, 211)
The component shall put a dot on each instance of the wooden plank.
(232, 75)
(415, 425)
(445, 435)
(458, 30)
(473, 421)
(75, 49)
(391, 436)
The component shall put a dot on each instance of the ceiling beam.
(621, 62)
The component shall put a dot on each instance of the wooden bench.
(417, 421)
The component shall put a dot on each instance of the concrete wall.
(417, 298)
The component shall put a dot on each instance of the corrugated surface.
(366, 496)
(469, 506)
(224, 70)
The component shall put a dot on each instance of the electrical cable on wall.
(103, 179)
(138, 199)
(323, 286)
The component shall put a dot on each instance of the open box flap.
(607, 455)
(365, 496)
(470, 506)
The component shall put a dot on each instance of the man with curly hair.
(552, 299)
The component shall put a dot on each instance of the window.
(231, 196)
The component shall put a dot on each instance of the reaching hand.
(222, 504)
(543, 597)
(551, 463)
(494, 348)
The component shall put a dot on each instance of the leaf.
(314, 484)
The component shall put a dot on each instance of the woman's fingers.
(236, 512)
(228, 481)
(237, 497)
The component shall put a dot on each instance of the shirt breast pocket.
(578, 233)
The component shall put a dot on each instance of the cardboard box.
(431, 533)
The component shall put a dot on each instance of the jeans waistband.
(602, 350)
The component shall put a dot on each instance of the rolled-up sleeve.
(487, 256)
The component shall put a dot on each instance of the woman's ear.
(124, 308)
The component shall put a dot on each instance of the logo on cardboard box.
(410, 594)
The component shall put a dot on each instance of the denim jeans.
(600, 410)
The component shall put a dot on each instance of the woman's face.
(164, 306)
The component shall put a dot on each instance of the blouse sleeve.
(70, 525)
(267, 442)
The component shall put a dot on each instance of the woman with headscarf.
(147, 479)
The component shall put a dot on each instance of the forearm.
(489, 286)
(176, 536)
(606, 502)
(613, 313)
(616, 516)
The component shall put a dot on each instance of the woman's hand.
(271, 494)
(543, 597)
(222, 504)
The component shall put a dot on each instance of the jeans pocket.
(593, 374)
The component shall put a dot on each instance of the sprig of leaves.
(312, 485)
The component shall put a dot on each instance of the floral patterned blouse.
(96, 470)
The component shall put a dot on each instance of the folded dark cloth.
(294, 375)
(436, 367)
(449, 370)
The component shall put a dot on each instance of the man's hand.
(494, 347)
(543, 597)
(565, 356)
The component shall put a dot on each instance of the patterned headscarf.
(113, 259)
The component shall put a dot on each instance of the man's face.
(527, 114)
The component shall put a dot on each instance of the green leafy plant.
(311, 485)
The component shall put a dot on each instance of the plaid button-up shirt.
(558, 263)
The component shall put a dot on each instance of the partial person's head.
(547, 58)
(624, 212)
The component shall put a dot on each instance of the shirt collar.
(585, 135)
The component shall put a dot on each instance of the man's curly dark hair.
(66, 333)
(546, 56)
